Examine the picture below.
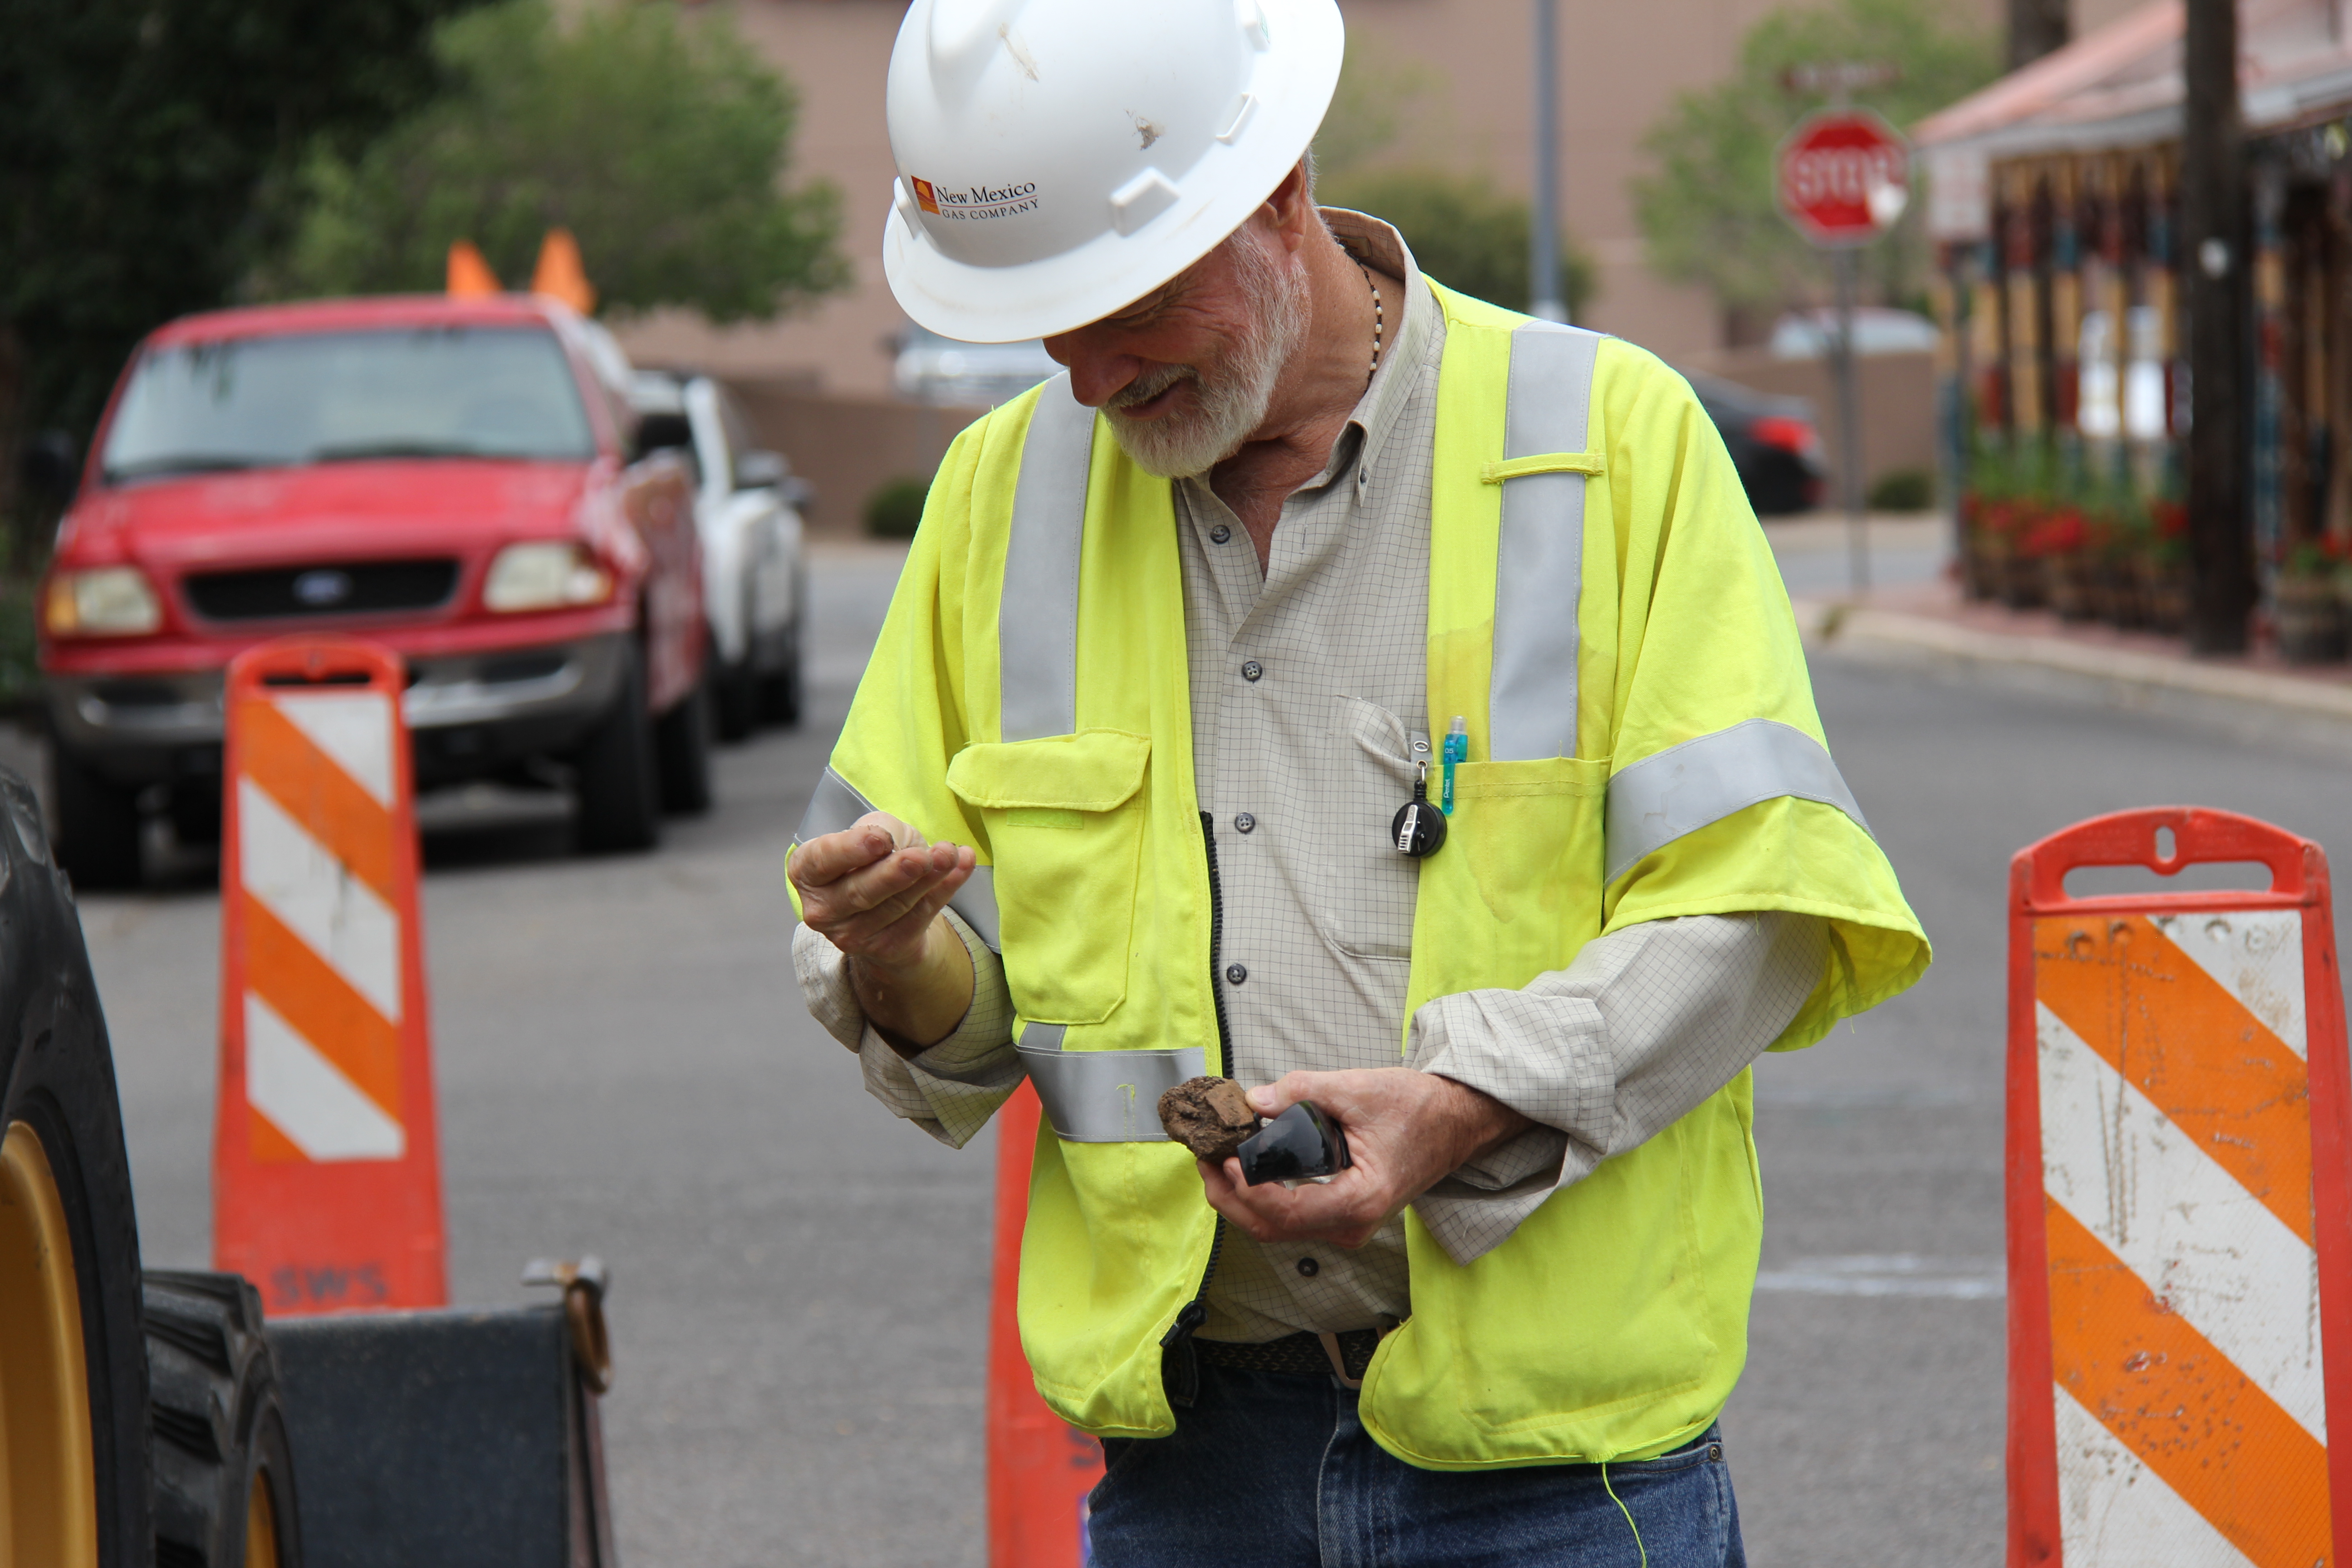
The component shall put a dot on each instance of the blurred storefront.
(2064, 386)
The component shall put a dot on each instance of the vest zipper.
(1180, 1368)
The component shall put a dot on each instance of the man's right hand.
(874, 890)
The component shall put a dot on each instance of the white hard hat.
(1060, 158)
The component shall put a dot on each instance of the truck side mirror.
(50, 465)
(761, 471)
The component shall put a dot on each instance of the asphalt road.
(800, 1284)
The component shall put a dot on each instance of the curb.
(1831, 622)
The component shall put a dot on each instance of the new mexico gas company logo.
(978, 203)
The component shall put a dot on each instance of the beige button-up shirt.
(1308, 685)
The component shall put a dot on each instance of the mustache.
(1150, 384)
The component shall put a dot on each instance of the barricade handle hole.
(302, 677)
(2206, 877)
(2165, 846)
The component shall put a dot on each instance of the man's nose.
(1099, 372)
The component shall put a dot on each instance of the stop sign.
(1843, 176)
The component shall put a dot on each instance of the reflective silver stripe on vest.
(836, 807)
(1104, 1097)
(1037, 618)
(1539, 559)
(1684, 788)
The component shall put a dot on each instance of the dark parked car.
(1773, 443)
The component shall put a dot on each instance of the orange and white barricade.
(326, 1165)
(2179, 1206)
(1040, 1468)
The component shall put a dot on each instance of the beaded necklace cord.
(1377, 321)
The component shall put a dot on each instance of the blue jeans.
(1271, 1470)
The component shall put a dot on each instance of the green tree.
(1462, 231)
(1707, 211)
(140, 141)
(662, 146)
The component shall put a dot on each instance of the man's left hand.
(1406, 1131)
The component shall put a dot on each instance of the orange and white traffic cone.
(326, 1164)
(1040, 1468)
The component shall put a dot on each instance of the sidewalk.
(1932, 619)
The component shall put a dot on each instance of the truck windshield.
(324, 398)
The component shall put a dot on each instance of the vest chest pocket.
(1065, 818)
(1523, 890)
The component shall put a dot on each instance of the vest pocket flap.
(1094, 770)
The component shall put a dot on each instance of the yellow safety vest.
(1604, 610)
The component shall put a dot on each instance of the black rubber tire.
(781, 693)
(619, 805)
(735, 690)
(220, 1428)
(98, 827)
(682, 746)
(56, 1079)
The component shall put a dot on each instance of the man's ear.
(1292, 207)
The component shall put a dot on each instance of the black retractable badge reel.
(1418, 828)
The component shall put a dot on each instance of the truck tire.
(682, 744)
(735, 687)
(780, 694)
(619, 810)
(224, 1471)
(735, 691)
(73, 1376)
(98, 827)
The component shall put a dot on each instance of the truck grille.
(345, 588)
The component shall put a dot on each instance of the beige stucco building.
(1621, 63)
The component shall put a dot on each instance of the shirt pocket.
(1360, 890)
(1064, 819)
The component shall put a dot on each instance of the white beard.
(1231, 397)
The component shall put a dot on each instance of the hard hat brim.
(1061, 293)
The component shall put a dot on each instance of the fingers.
(825, 859)
(1348, 1210)
(875, 887)
(901, 920)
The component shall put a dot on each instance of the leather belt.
(1299, 1356)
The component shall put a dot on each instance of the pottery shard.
(1208, 1115)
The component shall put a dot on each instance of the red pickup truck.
(451, 478)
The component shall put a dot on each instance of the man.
(1181, 633)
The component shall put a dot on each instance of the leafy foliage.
(896, 508)
(140, 145)
(661, 146)
(1462, 231)
(1707, 213)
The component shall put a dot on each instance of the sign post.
(1040, 1468)
(326, 1162)
(1843, 177)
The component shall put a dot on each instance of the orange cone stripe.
(2192, 1417)
(322, 1006)
(2197, 1052)
(268, 1143)
(315, 792)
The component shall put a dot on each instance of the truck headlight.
(551, 575)
(106, 602)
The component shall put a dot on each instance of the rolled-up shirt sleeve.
(950, 1089)
(1645, 1025)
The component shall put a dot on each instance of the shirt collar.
(1369, 240)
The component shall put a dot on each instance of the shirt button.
(1309, 1267)
(1251, 669)
(1244, 822)
(1236, 974)
(1220, 533)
